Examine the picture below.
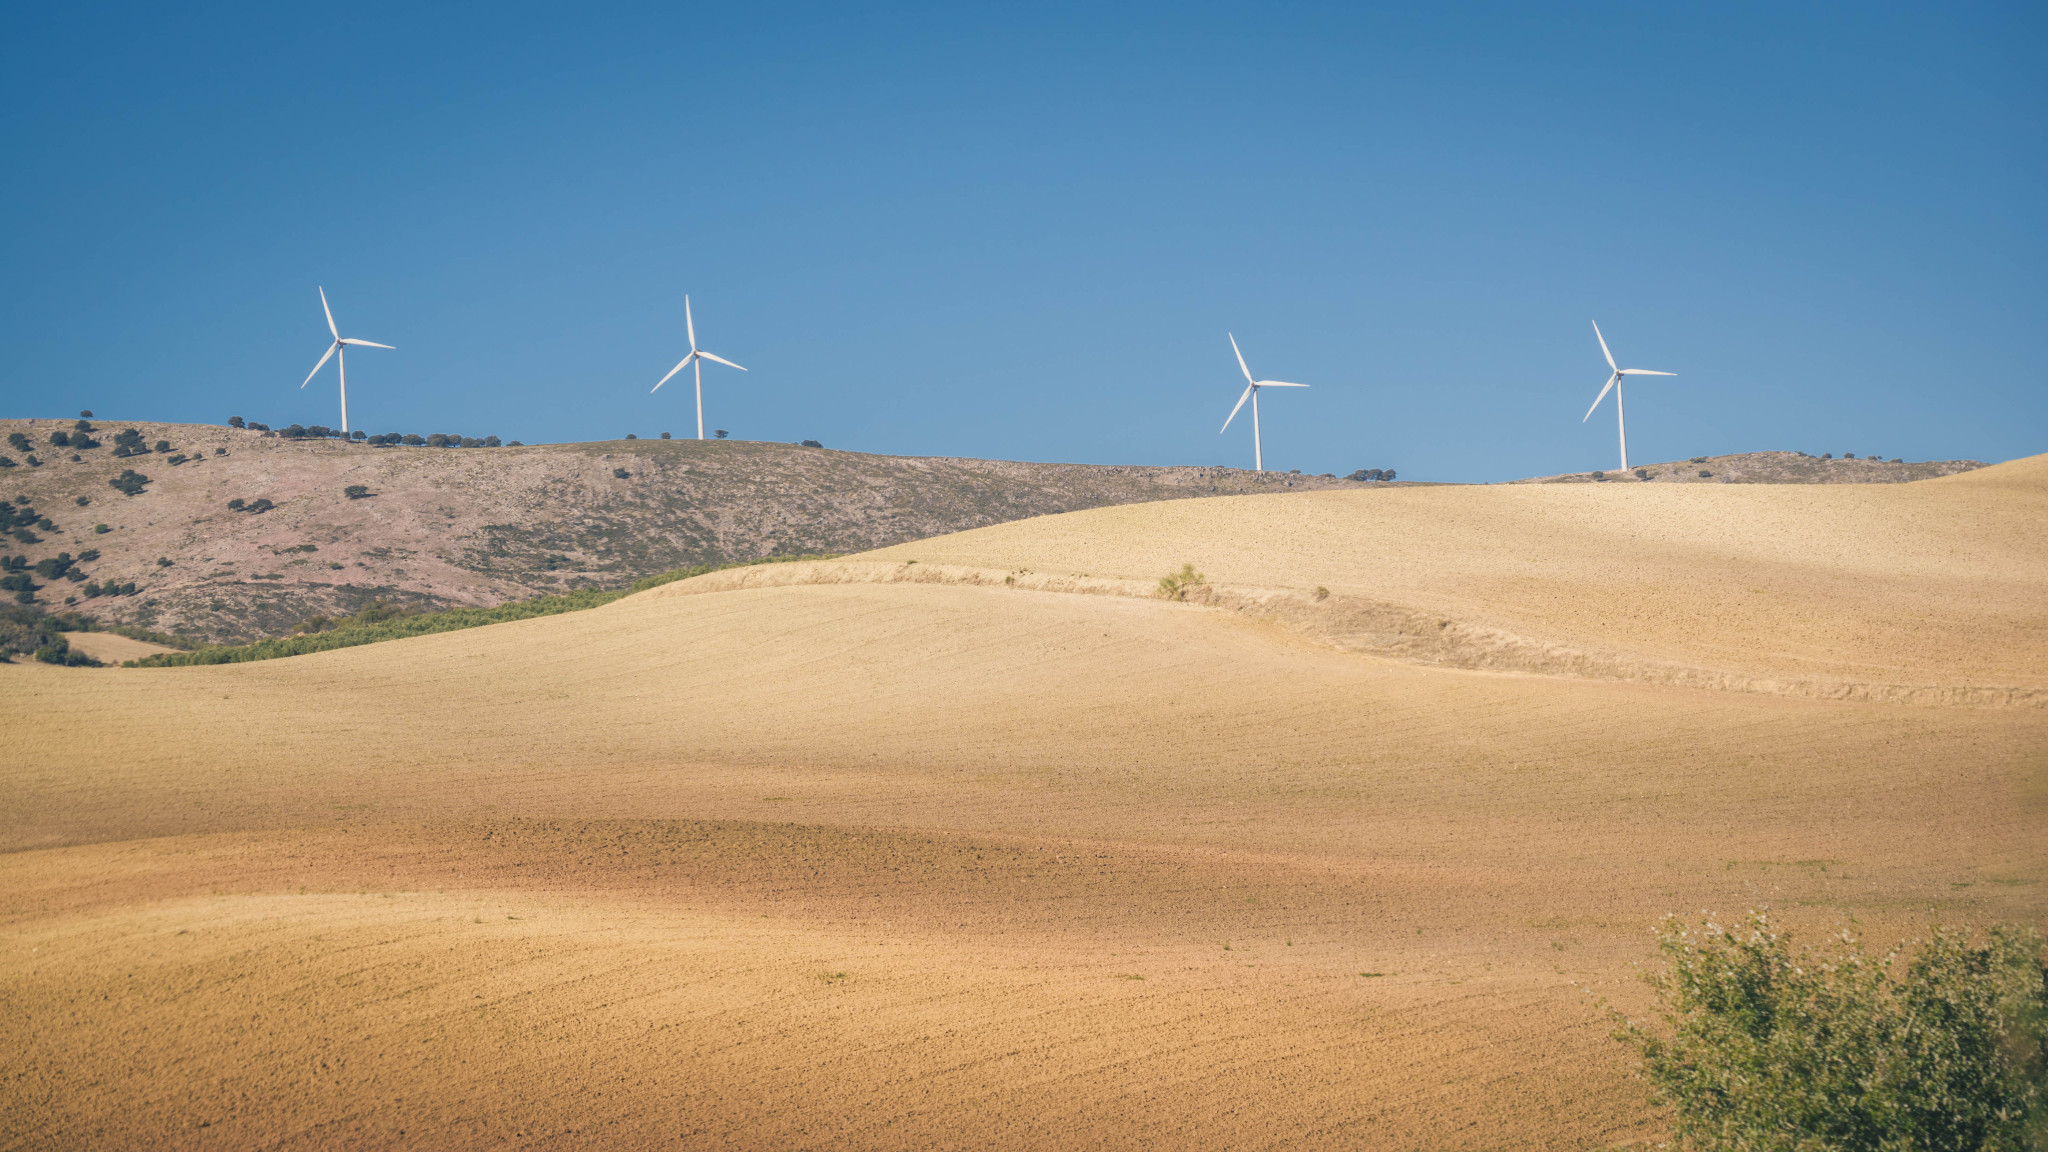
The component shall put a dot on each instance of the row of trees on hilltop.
(386, 440)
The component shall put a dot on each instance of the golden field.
(887, 855)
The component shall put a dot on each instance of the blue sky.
(1023, 231)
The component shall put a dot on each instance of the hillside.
(907, 856)
(442, 527)
(1936, 588)
(1771, 468)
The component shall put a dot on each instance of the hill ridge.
(1353, 623)
(260, 533)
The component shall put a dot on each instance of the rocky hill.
(1771, 468)
(233, 534)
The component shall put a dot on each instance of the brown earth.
(914, 864)
(109, 648)
(443, 527)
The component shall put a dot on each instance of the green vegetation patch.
(1761, 1048)
(383, 622)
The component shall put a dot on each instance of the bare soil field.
(889, 863)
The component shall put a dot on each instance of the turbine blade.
(1240, 403)
(721, 360)
(365, 343)
(1644, 372)
(1601, 396)
(1279, 384)
(1603, 350)
(1240, 360)
(672, 372)
(330, 317)
(689, 323)
(320, 365)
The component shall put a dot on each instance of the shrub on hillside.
(1763, 1049)
(129, 482)
(59, 651)
(1177, 585)
(25, 631)
(356, 491)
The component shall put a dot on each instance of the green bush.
(59, 651)
(25, 631)
(1763, 1049)
(1177, 585)
(356, 491)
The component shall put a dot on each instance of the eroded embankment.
(1360, 624)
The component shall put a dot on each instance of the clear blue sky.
(1023, 231)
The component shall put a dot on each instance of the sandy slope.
(911, 866)
(1939, 581)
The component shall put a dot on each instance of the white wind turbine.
(340, 345)
(1251, 392)
(697, 358)
(1614, 382)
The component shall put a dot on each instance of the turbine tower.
(695, 358)
(1614, 382)
(1251, 392)
(340, 345)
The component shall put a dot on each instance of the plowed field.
(937, 866)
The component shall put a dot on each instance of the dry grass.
(871, 865)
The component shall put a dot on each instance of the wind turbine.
(340, 345)
(697, 358)
(1614, 382)
(1251, 392)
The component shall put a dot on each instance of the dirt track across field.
(903, 865)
